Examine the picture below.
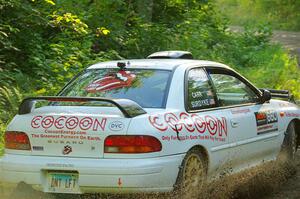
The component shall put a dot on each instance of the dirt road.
(291, 188)
(290, 40)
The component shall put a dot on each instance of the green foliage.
(281, 72)
(69, 22)
(10, 99)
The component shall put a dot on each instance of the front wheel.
(289, 146)
(192, 175)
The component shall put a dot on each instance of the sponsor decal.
(70, 123)
(266, 121)
(38, 148)
(67, 150)
(68, 137)
(64, 142)
(265, 127)
(208, 126)
(196, 94)
(240, 111)
(287, 104)
(116, 126)
(63, 132)
(287, 114)
(121, 79)
(266, 117)
(59, 165)
(204, 102)
(193, 137)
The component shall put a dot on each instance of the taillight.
(17, 140)
(131, 144)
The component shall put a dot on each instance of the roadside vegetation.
(43, 43)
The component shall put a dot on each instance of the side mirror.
(266, 96)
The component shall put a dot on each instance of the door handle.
(234, 123)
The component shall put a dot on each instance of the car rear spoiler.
(128, 107)
(283, 94)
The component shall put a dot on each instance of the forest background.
(44, 43)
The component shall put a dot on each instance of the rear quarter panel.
(206, 129)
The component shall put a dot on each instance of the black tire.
(192, 175)
(289, 146)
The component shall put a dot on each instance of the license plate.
(63, 182)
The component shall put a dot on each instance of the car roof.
(164, 64)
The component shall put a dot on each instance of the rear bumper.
(95, 175)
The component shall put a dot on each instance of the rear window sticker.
(111, 81)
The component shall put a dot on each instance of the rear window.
(147, 87)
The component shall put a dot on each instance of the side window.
(200, 93)
(230, 90)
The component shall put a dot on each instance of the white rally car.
(154, 125)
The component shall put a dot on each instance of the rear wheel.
(289, 146)
(192, 175)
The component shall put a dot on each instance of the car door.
(211, 123)
(253, 130)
